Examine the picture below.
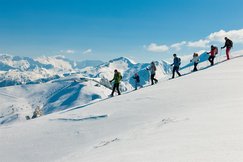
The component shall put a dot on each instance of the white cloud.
(199, 44)
(235, 35)
(177, 46)
(217, 36)
(153, 47)
(88, 51)
(214, 38)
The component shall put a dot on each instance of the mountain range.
(56, 83)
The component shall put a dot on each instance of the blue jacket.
(177, 62)
(152, 69)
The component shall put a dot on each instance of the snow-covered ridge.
(15, 70)
(21, 63)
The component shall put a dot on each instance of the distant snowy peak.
(62, 62)
(16, 70)
(121, 64)
(88, 63)
(57, 62)
(166, 66)
(123, 59)
(128, 68)
(106, 70)
(8, 62)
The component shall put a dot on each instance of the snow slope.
(20, 101)
(197, 117)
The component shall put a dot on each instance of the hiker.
(137, 81)
(37, 112)
(228, 44)
(152, 69)
(213, 53)
(117, 79)
(195, 60)
(176, 64)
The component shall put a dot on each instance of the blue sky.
(144, 30)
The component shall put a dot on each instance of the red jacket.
(213, 52)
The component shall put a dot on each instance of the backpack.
(216, 50)
(120, 76)
(179, 59)
(231, 43)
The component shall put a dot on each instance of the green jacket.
(117, 77)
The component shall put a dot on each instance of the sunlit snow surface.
(197, 117)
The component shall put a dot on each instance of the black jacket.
(228, 43)
(137, 79)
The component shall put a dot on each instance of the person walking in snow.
(195, 60)
(137, 81)
(213, 52)
(176, 65)
(117, 79)
(152, 70)
(228, 44)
